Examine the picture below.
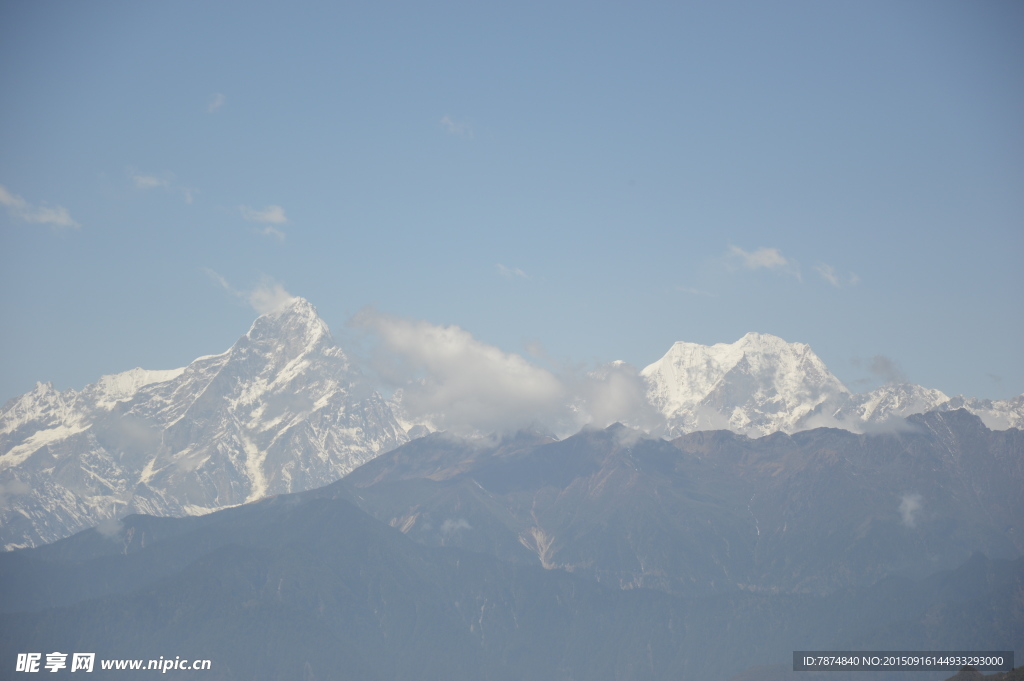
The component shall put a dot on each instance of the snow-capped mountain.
(762, 384)
(890, 401)
(996, 414)
(283, 410)
(758, 385)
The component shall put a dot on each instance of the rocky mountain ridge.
(282, 410)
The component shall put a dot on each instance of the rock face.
(283, 410)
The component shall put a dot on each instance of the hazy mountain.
(308, 586)
(713, 512)
(284, 409)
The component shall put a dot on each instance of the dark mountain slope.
(781, 543)
(712, 512)
(307, 587)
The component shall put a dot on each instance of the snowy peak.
(282, 410)
(699, 368)
(114, 388)
(894, 400)
(995, 414)
(296, 317)
(31, 406)
(294, 328)
(762, 384)
(757, 385)
(283, 349)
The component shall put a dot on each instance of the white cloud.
(910, 509)
(56, 216)
(694, 291)
(265, 297)
(109, 528)
(273, 215)
(14, 488)
(145, 182)
(272, 231)
(453, 127)
(511, 272)
(220, 280)
(891, 426)
(461, 384)
(451, 381)
(149, 181)
(762, 258)
(452, 525)
(829, 274)
(217, 101)
(615, 392)
(268, 296)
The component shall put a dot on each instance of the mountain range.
(269, 510)
(713, 512)
(285, 409)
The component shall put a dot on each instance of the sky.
(570, 183)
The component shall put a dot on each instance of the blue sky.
(580, 181)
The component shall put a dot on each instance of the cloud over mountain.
(457, 382)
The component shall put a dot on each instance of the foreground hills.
(603, 556)
(712, 512)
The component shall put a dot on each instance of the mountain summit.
(762, 384)
(282, 410)
(758, 385)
